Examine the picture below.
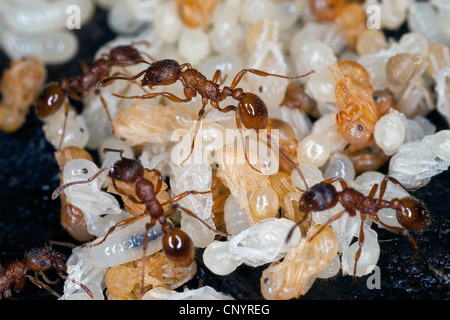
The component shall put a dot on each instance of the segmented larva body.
(354, 98)
(295, 275)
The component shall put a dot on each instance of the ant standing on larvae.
(251, 111)
(176, 244)
(55, 95)
(411, 213)
(15, 275)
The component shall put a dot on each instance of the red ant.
(411, 213)
(176, 244)
(55, 95)
(14, 276)
(251, 111)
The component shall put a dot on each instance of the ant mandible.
(55, 95)
(177, 245)
(15, 275)
(251, 111)
(411, 213)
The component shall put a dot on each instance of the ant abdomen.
(49, 100)
(320, 197)
(411, 213)
(253, 111)
(178, 247)
(162, 73)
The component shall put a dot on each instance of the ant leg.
(217, 77)
(333, 218)
(183, 195)
(109, 79)
(360, 243)
(105, 106)
(148, 226)
(168, 95)
(119, 224)
(160, 179)
(297, 224)
(66, 114)
(42, 285)
(190, 213)
(340, 180)
(201, 113)
(261, 73)
(395, 181)
(239, 126)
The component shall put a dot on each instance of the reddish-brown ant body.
(177, 245)
(55, 95)
(411, 213)
(251, 111)
(15, 275)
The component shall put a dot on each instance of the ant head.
(41, 259)
(411, 213)
(253, 111)
(124, 53)
(321, 196)
(50, 100)
(162, 73)
(352, 130)
(177, 246)
(127, 170)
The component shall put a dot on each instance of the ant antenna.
(121, 151)
(64, 186)
(281, 151)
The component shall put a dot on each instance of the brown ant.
(251, 111)
(15, 275)
(176, 244)
(411, 213)
(54, 95)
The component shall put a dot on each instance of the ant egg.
(314, 55)
(168, 24)
(314, 149)
(321, 86)
(332, 270)
(438, 58)
(76, 132)
(54, 48)
(338, 166)
(371, 41)
(193, 45)
(422, 19)
(368, 259)
(200, 235)
(311, 173)
(414, 43)
(442, 89)
(326, 10)
(389, 132)
(195, 14)
(441, 144)
(263, 203)
(226, 34)
(253, 11)
(203, 293)
(218, 258)
(236, 217)
(43, 17)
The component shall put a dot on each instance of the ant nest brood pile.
(167, 183)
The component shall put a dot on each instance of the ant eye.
(266, 280)
(158, 79)
(360, 127)
(117, 177)
(42, 263)
(84, 171)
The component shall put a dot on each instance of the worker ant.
(251, 111)
(55, 95)
(411, 213)
(15, 275)
(176, 244)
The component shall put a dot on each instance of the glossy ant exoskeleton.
(176, 244)
(15, 275)
(55, 95)
(411, 213)
(251, 111)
